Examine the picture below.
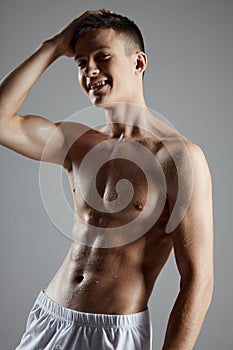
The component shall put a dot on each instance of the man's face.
(106, 73)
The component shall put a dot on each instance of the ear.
(140, 62)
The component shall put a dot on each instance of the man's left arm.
(193, 249)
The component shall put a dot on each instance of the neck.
(127, 119)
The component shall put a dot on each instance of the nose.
(92, 69)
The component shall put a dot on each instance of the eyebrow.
(98, 49)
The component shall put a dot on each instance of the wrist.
(52, 45)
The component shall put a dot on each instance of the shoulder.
(194, 162)
(186, 171)
(181, 154)
(77, 137)
(189, 185)
(76, 132)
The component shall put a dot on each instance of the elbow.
(208, 289)
(200, 289)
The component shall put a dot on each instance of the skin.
(118, 280)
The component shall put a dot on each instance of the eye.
(102, 56)
(81, 63)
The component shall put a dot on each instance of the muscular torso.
(108, 269)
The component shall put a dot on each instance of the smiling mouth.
(98, 85)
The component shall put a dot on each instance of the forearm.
(187, 317)
(16, 85)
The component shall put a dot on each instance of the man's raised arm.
(193, 248)
(29, 134)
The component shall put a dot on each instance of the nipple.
(138, 205)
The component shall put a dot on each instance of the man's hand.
(63, 38)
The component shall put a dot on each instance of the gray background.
(189, 81)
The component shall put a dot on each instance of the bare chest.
(115, 181)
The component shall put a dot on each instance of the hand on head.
(63, 38)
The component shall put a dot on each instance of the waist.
(85, 318)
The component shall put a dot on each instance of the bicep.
(193, 235)
(34, 137)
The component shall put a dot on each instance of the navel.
(80, 278)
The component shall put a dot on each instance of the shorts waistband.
(84, 318)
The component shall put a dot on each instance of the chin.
(100, 101)
(105, 100)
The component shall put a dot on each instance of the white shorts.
(51, 326)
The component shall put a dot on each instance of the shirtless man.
(98, 298)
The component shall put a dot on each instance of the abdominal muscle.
(116, 280)
(101, 280)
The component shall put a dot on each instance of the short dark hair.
(119, 23)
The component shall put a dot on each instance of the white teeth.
(97, 84)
